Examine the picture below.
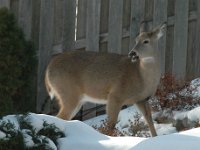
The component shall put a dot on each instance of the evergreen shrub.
(17, 67)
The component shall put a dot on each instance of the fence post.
(137, 16)
(159, 17)
(25, 17)
(69, 16)
(93, 25)
(5, 3)
(45, 47)
(197, 44)
(180, 38)
(115, 26)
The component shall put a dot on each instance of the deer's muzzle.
(133, 55)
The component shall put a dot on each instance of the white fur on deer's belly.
(86, 98)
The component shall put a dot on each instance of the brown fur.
(111, 78)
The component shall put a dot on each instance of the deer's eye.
(145, 41)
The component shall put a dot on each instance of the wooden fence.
(110, 26)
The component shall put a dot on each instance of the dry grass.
(169, 95)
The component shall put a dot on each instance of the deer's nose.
(133, 55)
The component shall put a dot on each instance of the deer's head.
(146, 43)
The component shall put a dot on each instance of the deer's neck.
(150, 71)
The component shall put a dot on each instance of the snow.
(82, 135)
(2, 135)
(79, 135)
(192, 115)
(27, 138)
(193, 89)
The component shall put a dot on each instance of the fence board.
(126, 13)
(159, 17)
(197, 43)
(69, 16)
(191, 49)
(81, 19)
(93, 25)
(35, 22)
(149, 7)
(25, 17)
(169, 49)
(180, 38)
(5, 3)
(115, 26)
(104, 16)
(58, 26)
(137, 16)
(45, 46)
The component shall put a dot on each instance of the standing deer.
(76, 77)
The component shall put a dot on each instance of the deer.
(76, 77)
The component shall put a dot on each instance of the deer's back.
(96, 74)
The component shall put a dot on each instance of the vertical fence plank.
(25, 17)
(137, 16)
(169, 49)
(69, 16)
(148, 16)
(197, 44)
(180, 38)
(126, 26)
(81, 19)
(115, 26)
(45, 47)
(191, 50)
(5, 3)
(159, 17)
(35, 22)
(93, 25)
(58, 22)
(103, 47)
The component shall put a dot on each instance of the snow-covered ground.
(79, 135)
(82, 136)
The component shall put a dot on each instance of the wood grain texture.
(58, 24)
(115, 26)
(5, 3)
(159, 17)
(180, 38)
(69, 16)
(25, 17)
(137, 16)
(81, 20)
(93, 25)
(196, 51)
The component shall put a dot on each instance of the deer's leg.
(112, 109)
(69, 104)
(146, 111)
(67, 112)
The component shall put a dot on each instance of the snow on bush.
(29, 131)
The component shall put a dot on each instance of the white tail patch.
(52, 95)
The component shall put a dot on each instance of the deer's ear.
(159, 31)
(143, 26)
